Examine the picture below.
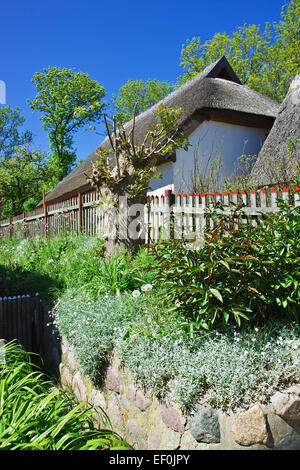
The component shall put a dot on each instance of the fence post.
(10, 228)
(167, 214)
(79, 213)
(45, 215)
(24, 224)
(37, 325)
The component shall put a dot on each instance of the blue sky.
(112, 41)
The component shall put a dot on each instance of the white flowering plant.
(228, 367)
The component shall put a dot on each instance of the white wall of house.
(167, 176)
(212, 141)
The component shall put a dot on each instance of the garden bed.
(214, 327)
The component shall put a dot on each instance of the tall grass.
(35, 415)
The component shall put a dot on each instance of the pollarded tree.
(126, 170)
(68, 101)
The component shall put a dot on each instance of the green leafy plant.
(241, 177)
(69, 261)
(36, 415)
(118, 273)
(142, 94)
(239, 273)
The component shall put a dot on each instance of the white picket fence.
(189, 215)
(165, 216)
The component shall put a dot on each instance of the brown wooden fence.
(189, 211)
(76, 214)
(22, 319)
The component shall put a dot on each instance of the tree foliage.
(22, 179)
(265, 59)
(68, 101)
(284, 55)
(10, 135)
(138, 95)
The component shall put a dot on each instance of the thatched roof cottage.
(221, 118)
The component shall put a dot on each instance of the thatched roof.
(275, 162)
(216, 90)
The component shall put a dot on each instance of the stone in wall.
(79, 387)
(291, 442)
(291, 409)
(112, 379)
(141, 401)
(278, 401)
(278, 427)
(97, 399)
(204, 423)
(188, 442)
(172, 418)
(161, 437)
(124, 403)
(286, 406)
(115, 414)
(66, 377)
(138, 398)
(250, 427)
(146, 423)
(136, 434)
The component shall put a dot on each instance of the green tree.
(10, 135)
(284, 54)
(246, 51)
(265, 59)
(139, 94)
(23, 177)
(68, 101)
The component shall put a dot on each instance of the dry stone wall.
(149, 424)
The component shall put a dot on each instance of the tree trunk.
(125, 228)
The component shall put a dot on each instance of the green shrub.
(92, 325)
(240, 273)
(228, 367)
(35, 417)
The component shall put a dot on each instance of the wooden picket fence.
(165, 216)
(189, 215)
(22, 319)
(77, 214)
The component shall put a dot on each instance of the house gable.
(221, 69)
